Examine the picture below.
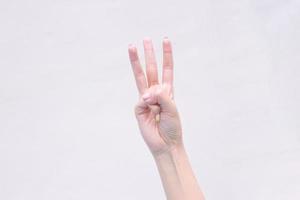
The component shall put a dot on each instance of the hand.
(156, 111)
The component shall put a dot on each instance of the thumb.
(161, 98)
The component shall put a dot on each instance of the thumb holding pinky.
(160, 96)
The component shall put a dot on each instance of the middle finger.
(151, 66)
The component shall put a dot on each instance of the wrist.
(174, 150)
(177, 175)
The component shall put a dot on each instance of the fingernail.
(146, 96)
(148, 39)
(130, 46)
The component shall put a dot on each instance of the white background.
(67, 126)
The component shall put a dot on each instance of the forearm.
(177, 176)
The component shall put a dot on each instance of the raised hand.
(156, 111)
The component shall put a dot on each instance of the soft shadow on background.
(67, 126)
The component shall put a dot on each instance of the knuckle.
(159, 91)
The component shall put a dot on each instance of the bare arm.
(159, 123)
(177, 176)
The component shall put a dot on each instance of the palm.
(156, 112)
(160, 128)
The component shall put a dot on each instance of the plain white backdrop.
(67, 126)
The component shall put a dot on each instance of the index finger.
(138, 72)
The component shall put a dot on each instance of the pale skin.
(159, 122)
